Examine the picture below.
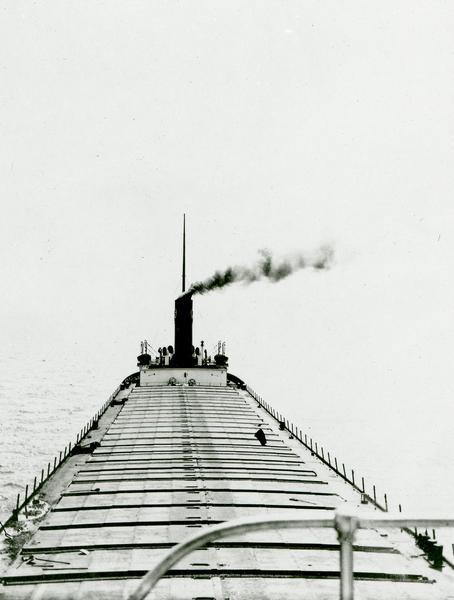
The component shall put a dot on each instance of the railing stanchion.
(346, 526)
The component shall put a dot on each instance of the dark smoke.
(266, 268)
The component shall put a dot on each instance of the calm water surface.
(44, 404)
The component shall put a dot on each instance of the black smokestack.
(266, 268)
(183, 331)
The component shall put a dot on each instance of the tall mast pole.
(183, 282)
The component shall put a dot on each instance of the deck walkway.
(175, 459)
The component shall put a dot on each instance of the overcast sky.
(272, 124)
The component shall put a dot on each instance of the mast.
(183, 277)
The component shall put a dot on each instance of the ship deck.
(173, 460)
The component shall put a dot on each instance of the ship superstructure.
(181, 447)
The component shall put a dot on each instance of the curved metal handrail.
(176, 553)
(345, 525)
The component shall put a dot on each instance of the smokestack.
(183, 331)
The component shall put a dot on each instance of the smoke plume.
(266, 267)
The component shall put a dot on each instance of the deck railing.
(326, 457)
(345, 525)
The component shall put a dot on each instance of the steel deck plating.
(175, 458)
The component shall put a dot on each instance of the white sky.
(273, 124)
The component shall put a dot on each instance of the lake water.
(44, 404)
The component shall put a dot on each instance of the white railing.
(344, 524)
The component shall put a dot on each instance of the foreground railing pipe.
(346, 526)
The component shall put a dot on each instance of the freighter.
(187, 485)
